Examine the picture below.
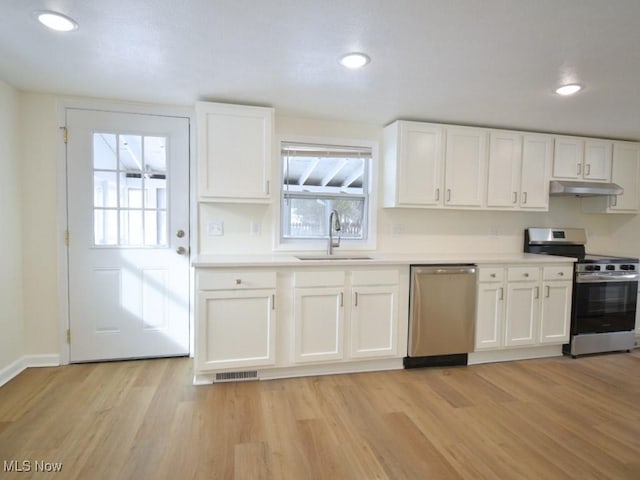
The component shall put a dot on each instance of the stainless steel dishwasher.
(442, 311)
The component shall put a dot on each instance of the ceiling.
(478, 62)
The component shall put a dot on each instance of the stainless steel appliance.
(605, 291)
(442, 311)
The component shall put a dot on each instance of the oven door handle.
(591, 278)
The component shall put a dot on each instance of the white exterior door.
(128, 223)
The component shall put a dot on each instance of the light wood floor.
(537, 419)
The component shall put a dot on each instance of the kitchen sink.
(333, 257)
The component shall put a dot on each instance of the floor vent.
(236, 376)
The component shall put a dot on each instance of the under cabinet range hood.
(562, 188)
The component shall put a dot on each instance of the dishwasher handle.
(444, 269)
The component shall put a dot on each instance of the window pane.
(104, 151)
(130, 190)
(309, 217)
(155, 193)
(105, 227)
(131, 227)
(130, 153)
(155, 155)
(105, 189)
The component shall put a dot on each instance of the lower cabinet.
(236, 320)
(523, 306)
(298, 318)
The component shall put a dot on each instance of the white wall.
(40, 143)
(12, 345)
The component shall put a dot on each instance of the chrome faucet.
(334, 222)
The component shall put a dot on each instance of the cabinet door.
(465, 166)
(489, 316)
(505, 159)
(597, 160)
(626, 173)
(374, 321)
(318, 324)
(420, 165)
(555, 315)
(521, 313)
(537, 153)
(234, 152)
(567, 158)
(235, 329)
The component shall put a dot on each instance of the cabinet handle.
(448, 194)
(537, 292)
(548, 291)
(515, 197)
(266, 187)
(588, 172)
(614, 200)
(273, 301)
(341, 299)
(238, 281)
(437, 194)
(561, 274)
(493, 275)
(355, 300)
(526, 275)
(501, 297)
(524, 197)
(579, 169)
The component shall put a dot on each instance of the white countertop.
(291, 260)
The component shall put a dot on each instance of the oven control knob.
(625, 267)
(589, 268)
(611, 267)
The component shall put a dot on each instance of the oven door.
(603, 306)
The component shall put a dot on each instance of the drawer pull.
(238, 281)
(561, 274)
(493, 275)
(526, 275)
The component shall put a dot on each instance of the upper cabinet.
(625, 171)
(580, 159)
(413, 154)
(234, 153)
(432, 166)
(465, 167)
(519, 168)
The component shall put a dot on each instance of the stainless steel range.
(605, 291)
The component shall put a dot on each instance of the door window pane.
(104, 151)
(105, 226)
(131, 227)
(105, 186)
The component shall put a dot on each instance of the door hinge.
(65, 134)
(66, 237)
(69, 336)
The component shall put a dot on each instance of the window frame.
(370, 196)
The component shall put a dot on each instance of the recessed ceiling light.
(569, 89)
(354, 60)
(56, 21)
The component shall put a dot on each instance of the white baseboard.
(27, 361)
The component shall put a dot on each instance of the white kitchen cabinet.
(235, 320)
(625, 171)
(519, 171)
(465, 167)
(490, 315)
(318, 324)
(374, 313)
(555, 315)
(580, 159)
(523, 306)
(522, 310)
(234, 153)
(413, 164)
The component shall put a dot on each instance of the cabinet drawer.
(560, 272)
(319, 279)
(516, 274)
(490, 274)
(236, 280)
(375, 277)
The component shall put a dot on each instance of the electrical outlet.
(215, 228)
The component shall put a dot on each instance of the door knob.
(180, 233)
(181, 250)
